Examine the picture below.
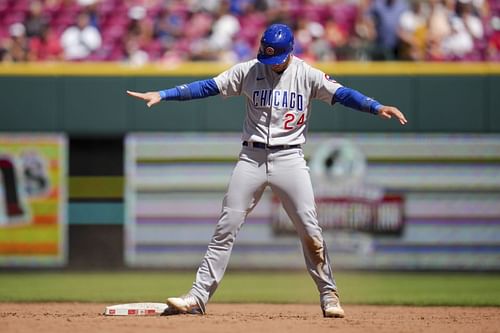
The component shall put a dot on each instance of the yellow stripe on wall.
(214, 68)
(96, 187)
(410, 68)
(29, 234)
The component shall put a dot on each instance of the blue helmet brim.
(272, 60)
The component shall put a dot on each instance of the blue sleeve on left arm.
(193, 90)
(356, 100)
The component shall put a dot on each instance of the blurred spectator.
(253, 22)
(302, 39)
(412, 32)
(35, 22)
(474, 26)
(91, 8)
(16, 47)
(284, 13)
(320, 49)
(169, 26)
(196, 33)
(140, 26)
(311, 44)
(440, 15)
(134, 55)
(494, 40)
(337, 36)
(364, 34)
(139, 36)
(439, 27)
(225, 27)
(466, 34)
(45, 47)
(199, 25)
(242, 50)
(80, 40)
(386, 15)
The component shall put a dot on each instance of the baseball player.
(279, 89)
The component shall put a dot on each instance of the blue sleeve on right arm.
(193, 90)
(356, 100)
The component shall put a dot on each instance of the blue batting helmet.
(275, 45)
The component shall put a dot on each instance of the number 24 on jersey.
(290, 119)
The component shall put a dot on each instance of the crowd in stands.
(141, 31)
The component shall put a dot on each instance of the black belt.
(266, 146)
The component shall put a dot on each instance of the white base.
(136, 309)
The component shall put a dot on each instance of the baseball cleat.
(170, 311)
(185, 304)
(332, 308)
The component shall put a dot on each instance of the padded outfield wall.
(90, 99)
(88, 104)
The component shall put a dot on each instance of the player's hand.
(151, 97)
(389, 111)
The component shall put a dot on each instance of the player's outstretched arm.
(193, 90)
(356, 100)
(151, 97)
(390, 111)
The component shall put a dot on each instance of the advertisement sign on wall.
(429, 202)
(32, 200)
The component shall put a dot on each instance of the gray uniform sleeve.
(230, 82)
(324, 87)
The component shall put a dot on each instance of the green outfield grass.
(288, 287)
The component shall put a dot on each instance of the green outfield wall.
(90, 99)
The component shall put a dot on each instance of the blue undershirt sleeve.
(356, 100)
(193, 90)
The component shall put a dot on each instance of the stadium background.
(80, 110)
(86, 103)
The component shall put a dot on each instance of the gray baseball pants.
(286, 172)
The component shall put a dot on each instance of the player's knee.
(316, 248)
(311, 233)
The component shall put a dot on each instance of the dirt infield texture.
(234, 318)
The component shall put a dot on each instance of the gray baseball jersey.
(278, 108)
(278, 105)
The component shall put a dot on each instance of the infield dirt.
(234, 318)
